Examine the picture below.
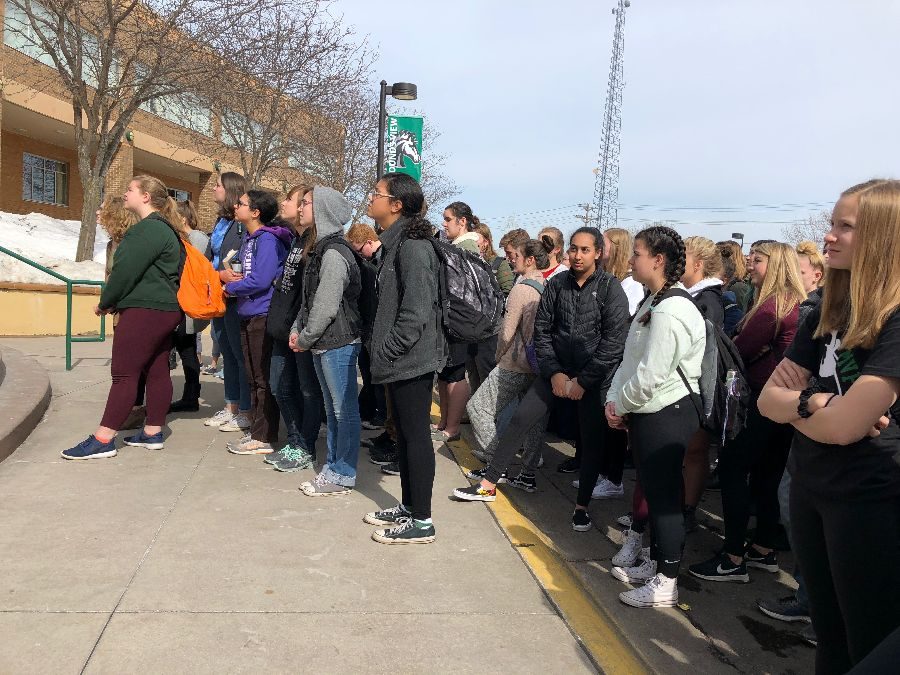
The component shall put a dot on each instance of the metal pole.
(381, 119)
(69, 325)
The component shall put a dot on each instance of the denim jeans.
(336, 369)
(227, 330)
(296, 387)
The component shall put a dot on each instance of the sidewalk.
(195, 560)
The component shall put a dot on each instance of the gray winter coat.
(408, 336)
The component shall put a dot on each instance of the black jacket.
(711, 305)
(581, 331)
(288, 295)
(408, 336)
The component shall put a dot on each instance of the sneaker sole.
(381, 462)
(524, 488)
(291, 469)
(99, 455)
(381, 539)
(625, 579)
(325, 494)
(465, 497)
(149, 446)
(389, 473)
(628, 600)
(783, 617)
(732, 578)
(209, 423)
(260, 451)
(774, 569)
(269, 459)
(226, 429)
(582, 528)
(618, 495)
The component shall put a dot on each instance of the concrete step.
(24, 396)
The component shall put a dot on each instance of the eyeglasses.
(375, 195)
(240, 203)
(305, 202)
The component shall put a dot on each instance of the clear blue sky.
(726, 104)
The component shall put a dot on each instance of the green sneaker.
(407, 531)
(276, 457)
(293, 459)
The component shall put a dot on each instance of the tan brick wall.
(120, 171)
(11, 151)
(207, 209)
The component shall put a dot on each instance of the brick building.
(38, 161)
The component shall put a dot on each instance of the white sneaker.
(659, 591)
(605, 489)
(626, 520)
(239, 422)
(635, 575)
(576, 483)
(220, 418)
(600, 479)
(631, 549)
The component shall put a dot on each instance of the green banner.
(404, 146)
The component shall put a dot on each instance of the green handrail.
(69, 284)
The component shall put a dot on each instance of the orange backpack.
(200, 292)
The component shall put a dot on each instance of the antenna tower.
(606, 186)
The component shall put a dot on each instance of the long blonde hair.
(706, 251)
(859, 301)
(622, 242)
(161, 201)
(782, 281)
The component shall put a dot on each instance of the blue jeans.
(336, 369)
(295, 385)
(227, 331)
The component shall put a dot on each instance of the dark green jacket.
(145, 271)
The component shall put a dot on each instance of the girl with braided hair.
(651, 396)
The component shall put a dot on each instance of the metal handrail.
(70, 283)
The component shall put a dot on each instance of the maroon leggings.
(141, 344)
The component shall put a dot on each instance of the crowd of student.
(614, 341)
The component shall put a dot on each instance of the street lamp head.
(404, 91)
(737, 235)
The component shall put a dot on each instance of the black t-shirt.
(869, 468)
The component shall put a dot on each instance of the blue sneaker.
(142, 440)
(91, 448)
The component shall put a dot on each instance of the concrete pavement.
(194, 560)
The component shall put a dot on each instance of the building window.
(179, 195)
(45, 180)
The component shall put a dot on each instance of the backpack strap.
(531, 283)
(495, 263)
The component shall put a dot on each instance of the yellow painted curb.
(606, 645)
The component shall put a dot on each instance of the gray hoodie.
(329, 316)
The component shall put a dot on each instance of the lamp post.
(402, 91)
(739, 235)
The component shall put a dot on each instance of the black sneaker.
(570, 465)
(581, 521)
(381, 457)
(524, 481)
(381, 439)
(762, 561)
(720, 568)
(784, 609)
(475, 493)
(390, 516)
(478, 474)
(392, 469)
(184, 406)
(408, 531)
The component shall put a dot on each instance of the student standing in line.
(226, 237)
(761, 449)
(652, 394)
(293, 377)
(514, 373)
(142, 288)
(579, 334)
(501, 267)
(838, 386)
(188, 330)
(408, 348)
(115, 220)
(735, 282)
(617, 245)
(263, 252)
(330, 326)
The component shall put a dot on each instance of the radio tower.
(606, 187)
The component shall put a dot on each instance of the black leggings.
(186, 345)
(411, 404)
(761, 451)
(596, 441)
(849, 551)
(658, 441)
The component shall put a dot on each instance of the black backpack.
(724, 394)
(368, 294)
(472, 303)
(733, 312)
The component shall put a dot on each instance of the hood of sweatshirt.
(283, 233)
(467, 236)
(331, 211)
(709, 282)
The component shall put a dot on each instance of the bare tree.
(813, 229)
(112, 57)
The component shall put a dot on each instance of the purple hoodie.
(262, 259)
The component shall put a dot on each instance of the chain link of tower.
(606, 186)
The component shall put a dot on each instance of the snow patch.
(52, 243)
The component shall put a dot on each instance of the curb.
(24, 397)
(592, 626)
